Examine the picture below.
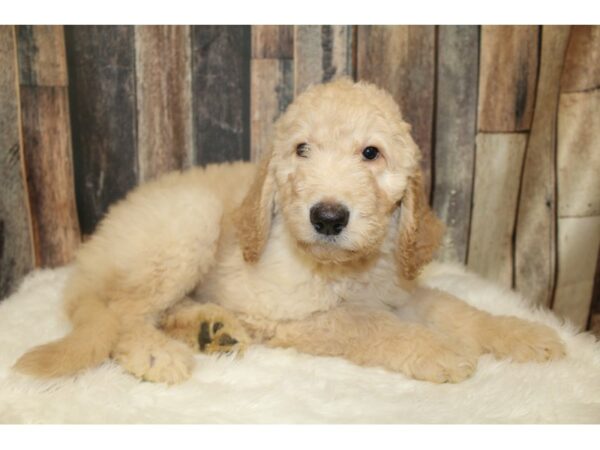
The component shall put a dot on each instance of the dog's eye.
(302, 150)
(370, 153)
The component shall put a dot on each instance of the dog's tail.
(94, 335)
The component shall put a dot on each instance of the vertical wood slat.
(535, 235)
(497, 174)
(456, 115)
(507, 77)
(582, 64)
(221, 93)
(101, 66)
(401, 59)
(272, 83)
(321, 53)
(163, 95)
(47, 143)
(16, 241)
(594, 320)
(578, 161)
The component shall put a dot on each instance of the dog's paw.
(208, 328)
(441, 364)
(170, 362)
(524, 341)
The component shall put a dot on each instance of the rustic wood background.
(508, 118)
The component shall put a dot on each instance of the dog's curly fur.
(238, 239)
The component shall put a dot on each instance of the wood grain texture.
(578, 161)
(221, 93)
(321, 53)
(42, 59)
(16, 242)
(101, 66)
(582, 64)
(507, 77)
(273, 41)
(578, 154)
(163, 94)
(497, 175)
(535, 239)
(456, 114)
(272, 92)
(578, 243)
(49, 166)
(401, 59)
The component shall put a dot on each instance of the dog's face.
(340, 163)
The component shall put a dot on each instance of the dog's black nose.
(329, 218)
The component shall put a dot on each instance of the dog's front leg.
(371, 337)
(503, 336)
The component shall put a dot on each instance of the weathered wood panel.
(47, 143)
(578, 242)
(16, 243)
(578, 154)
(582, 64)
(578, 161)
(272, 82)
(401, 59)
(497, 175)
(535, 240)
(221, 93)
(42, 59)
(272, 92)
(273, 41)
(321, 53)
(456, 114)
(101, 66)
(163, 94)
(507, 77)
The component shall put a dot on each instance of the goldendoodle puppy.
(319, 248)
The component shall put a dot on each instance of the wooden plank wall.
(506, 117)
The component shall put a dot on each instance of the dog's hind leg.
(503, 336)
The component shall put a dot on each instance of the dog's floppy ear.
(420, 231)
(253, 218)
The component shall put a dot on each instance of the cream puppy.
(319, 248)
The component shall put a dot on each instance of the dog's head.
(340, 162)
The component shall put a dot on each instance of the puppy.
(318, 248)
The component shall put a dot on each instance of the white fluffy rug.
(274, 386)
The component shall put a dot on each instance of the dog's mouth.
(328, 249)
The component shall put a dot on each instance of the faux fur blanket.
(274, 386)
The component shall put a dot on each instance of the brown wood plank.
(42, 59)
(272, 92)
(47, 143)
(16, 244)
(495, 194)
(321, 53)
(163, 94)
(48, 156)
(221, 93)
(101, 66)
(578, 161)
(273, 41)
(535, 239)
(401, 59)
(507, 77)
(582, 64)
(456, 115)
